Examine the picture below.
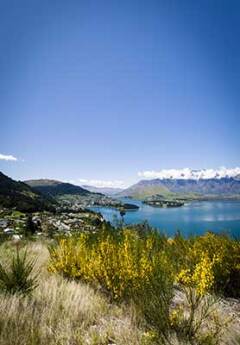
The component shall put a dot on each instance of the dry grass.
(224, 316)
(61, 312)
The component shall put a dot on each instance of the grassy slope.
(65, 312)
(62, 312)
(142, 193)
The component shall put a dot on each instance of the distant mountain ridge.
(219, 188)
(104, 190)
(16, 194)
(142, 189)
(55, 188)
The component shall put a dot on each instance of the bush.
(18, 278)
(210, 261)
(121, 262)
(198, 321)
(127, 265)
(153, 304)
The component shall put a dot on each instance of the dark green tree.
(31, 227)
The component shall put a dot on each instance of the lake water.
(192, 219)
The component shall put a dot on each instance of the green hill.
(141, 191)
(16, 194)
(55, 188)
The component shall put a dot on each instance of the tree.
(31, 227)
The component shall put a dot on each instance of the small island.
(129, 207)
(164, 203)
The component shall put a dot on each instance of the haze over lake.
(193, 218)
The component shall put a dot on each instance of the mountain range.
(213, 188)
(103, 190)
(37, 195)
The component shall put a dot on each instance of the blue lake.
(192, 219)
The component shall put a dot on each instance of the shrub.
(18, 277)
(127, 265)
(209, 259)
(153, 304)
(121, 262)
(197, 321)
(224, 253)
(201, 278)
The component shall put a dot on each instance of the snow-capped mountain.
(199, 184)
(191, 174)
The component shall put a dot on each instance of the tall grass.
(17, 277)
(62, 312)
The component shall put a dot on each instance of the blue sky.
(100, 90)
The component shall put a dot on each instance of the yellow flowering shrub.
(120, 263)
(127, 263)
(202, 277)
(211, 262)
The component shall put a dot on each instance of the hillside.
(55, 188)
(16, 194)
(77, 197)
(142, 190)
(60, 310)
(214, 188)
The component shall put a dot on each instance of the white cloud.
(102, 183)
(188, 173)
(82, 180)
(7, 157)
